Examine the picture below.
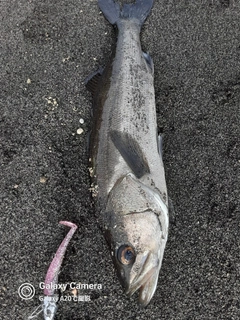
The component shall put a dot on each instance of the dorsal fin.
(131, 152)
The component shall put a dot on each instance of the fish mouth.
(146, 281)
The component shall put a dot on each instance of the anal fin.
(160, 145)
(149, 61)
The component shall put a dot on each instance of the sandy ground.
(47, 49)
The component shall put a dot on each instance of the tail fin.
(138, 10)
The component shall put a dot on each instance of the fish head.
(140, 263)
(137, 241)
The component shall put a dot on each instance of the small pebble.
(79, 131)
(81, 121)
(43, 179)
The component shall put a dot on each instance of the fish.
(126, 166)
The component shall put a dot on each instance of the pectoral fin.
(131, 152)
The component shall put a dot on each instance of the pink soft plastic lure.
(51, 280)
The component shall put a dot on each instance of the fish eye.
(126, 254)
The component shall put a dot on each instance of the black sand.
(47, 49)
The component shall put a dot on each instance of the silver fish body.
(127, 164)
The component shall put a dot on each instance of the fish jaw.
(145, 272)
(145, 280)
(147, 287)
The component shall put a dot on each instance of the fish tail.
(113, 13)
